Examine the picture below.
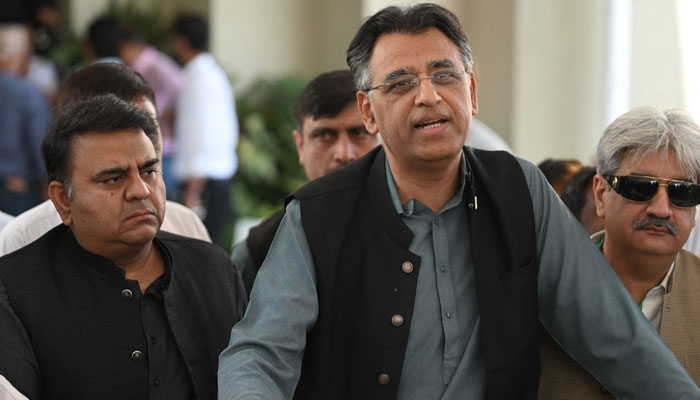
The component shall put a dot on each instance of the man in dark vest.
(423, 270)
(105, 305)
(329, 135)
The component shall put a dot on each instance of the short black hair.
(100, 114)
(105, 35)
(194, 29)
(576, 189)
(555, 169)
(325, 96)
(414, 19)
(104, 78)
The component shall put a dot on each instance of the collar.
(108, 267)
(409, 208)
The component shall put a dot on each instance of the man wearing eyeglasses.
(422, 270)
(646, 192)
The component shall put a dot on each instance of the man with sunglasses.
(422, 270)
(646, 192)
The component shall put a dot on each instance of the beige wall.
(273, 37)
(540, 64)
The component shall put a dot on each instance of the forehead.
(93, 150)
(661, 164)
(348, 117)
(415, 51)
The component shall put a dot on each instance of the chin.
(141, 236)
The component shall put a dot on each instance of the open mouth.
(430, 124)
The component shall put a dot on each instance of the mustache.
(656, 221)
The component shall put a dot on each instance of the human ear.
(600, 187)
(299, 141)
(59, 197)
(364, 103)
(472, 93)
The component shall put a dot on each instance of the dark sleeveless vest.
(360, 247)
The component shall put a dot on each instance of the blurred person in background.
(165, 77)
(24, 114)
(4, 220)
(206, 128)
(579, 197)
(330, 134)
(94, 80)
(481, 136)
(558, 172)
(104, 36)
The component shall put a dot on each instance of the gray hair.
(409, 20)
(644, 131)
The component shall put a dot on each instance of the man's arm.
(264, 357)
(18, 363)
(588, 311)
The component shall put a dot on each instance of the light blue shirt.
(582, 304)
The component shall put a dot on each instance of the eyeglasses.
(644, 188)
(405, 84)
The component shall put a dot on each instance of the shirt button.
(442, 268)
(156, 381)
(448, 314)
(136, 356)
(383, 379)
(407, 267)
(436, 222)
(153, 340)
(397, 320)
(127, 294)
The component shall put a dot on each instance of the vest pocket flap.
(520, 275)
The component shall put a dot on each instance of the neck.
(433, 184)
(188, 55)
(638, 272)
(141, 263)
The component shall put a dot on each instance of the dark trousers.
(15, 203)
(218, 203)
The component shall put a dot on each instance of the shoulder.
(688, 262)
(187, 250)
(28, 226)
(349, 178)
(181, 220)
(33, 258)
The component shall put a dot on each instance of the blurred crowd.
(194, 101)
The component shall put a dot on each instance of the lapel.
(680, 321)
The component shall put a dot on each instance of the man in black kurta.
(105, 306)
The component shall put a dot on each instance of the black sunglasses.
(643, 188)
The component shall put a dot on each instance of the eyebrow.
(444, 63)
(121, 170)
(399, 72)
(321, 129)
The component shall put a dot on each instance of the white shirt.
(206, 126)
(693, 242)
(480, 136)
(33, 223)
(654, 300)
(5, 219)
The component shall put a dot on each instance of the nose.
(660, 204)
(427, 94)
(344, 150)
(137, 189)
